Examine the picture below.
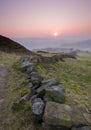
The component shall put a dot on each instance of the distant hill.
(10, 46)
(83, 45)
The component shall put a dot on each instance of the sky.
(31, 18)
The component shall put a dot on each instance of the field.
(73, 74)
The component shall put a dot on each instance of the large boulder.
(38, 108)
(55, 93)
(57, 115)
(62, 115)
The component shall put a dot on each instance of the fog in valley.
(82, 42)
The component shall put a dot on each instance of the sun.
(55, 34)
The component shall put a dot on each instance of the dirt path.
(3, 84)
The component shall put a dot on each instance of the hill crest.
(10, 46)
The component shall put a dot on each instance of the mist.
(79, 41)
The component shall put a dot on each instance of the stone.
(31, 68)
(35, 79)
(55, 93)
(50, 81)
(27, 97)
(25, 65)
(24, 58)
(57, 115)
(63, 115)
(33, 98)
(46, 84)
(30, 85)
(38, 108)
(38, 100)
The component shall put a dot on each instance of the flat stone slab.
(57, 114)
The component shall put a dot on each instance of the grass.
(74, 75)
(20, 118)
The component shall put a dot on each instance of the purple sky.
(25, 18)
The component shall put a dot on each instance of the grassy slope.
(73, 74)
(10, 46)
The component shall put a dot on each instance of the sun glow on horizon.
(55, 34)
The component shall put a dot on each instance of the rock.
(35, 79)
(46, 84)
(55, 93)
(30, 85)
(31, 68)
(82, 128)
(24, 58)
(62, 115)
(38, 100)
(38, 108)
(25, 65)
(50, 81)
(27, 97)
(57, 115)
(33, 98)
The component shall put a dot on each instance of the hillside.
(73, 74)
(8, 45)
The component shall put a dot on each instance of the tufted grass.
(75, 76)
(21, 118)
